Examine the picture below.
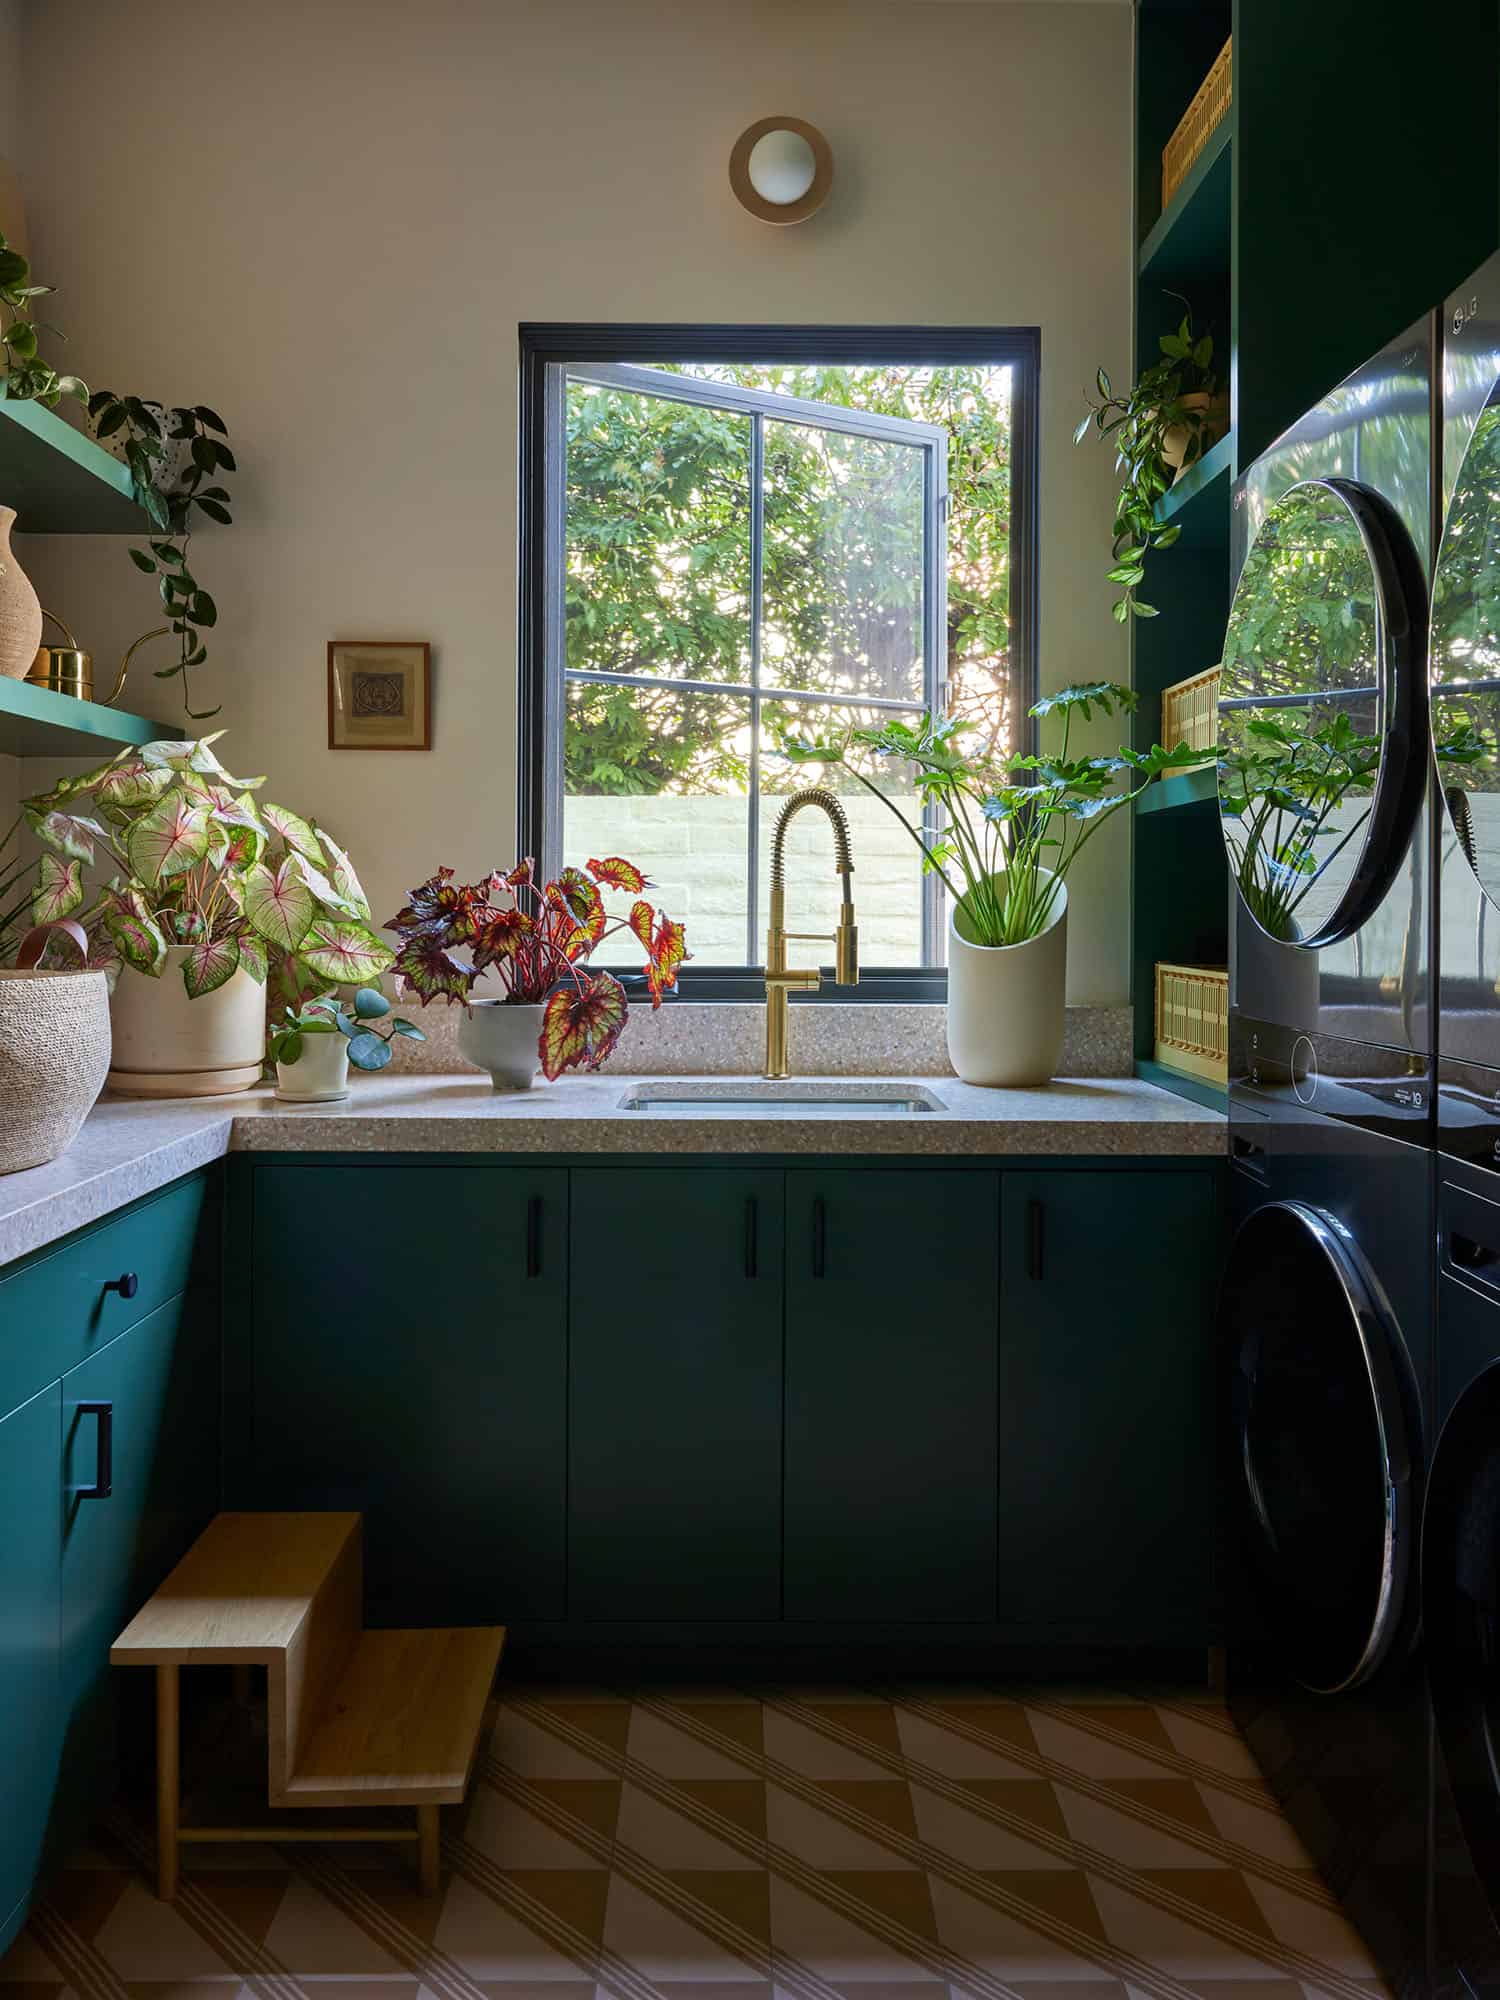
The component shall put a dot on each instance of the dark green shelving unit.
(1183, 789)
(1190, 239)
(59, 481)
(35, 722)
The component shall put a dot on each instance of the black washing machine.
(1324, 1331)
(1461, 1540)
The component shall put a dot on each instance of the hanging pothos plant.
(1165, 423)
(27, 378)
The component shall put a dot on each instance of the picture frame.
(379, 694)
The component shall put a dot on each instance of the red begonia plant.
(537, 939)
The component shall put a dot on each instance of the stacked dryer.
(1461, 1537)
(1325, 1323)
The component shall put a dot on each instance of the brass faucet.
(780, 977)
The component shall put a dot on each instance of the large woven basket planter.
(54, 1053)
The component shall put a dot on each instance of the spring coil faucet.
(780, 977)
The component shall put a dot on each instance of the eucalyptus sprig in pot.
(1163, 425)
(1008, 840)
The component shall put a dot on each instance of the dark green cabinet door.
(409, 1335)
(144, 1412)
(674, 1443)
(1106, 1404)
(30, 1557)
(892, 1308)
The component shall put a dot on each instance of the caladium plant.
(536, 938)
(162, 846)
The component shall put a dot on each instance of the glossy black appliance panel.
(1324, 787)
(1314, 1078)
(1464, 671)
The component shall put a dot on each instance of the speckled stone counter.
(131, 1147)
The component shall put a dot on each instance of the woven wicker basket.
(1196, 125)
(1192, 1020)
(1190, 713)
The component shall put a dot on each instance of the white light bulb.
(781, 167)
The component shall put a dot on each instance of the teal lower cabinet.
(1106, 1405)
(892, 1355)
(406, 1358)
(107, 1474)
(674, 1432)
(30, 1589)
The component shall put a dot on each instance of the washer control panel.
(1286, 1072)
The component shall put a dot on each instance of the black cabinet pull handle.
(104, 1451)
(127, 1285)
(1036, 1226)
(751, 1259)
(819, 1237)
(534, 1237)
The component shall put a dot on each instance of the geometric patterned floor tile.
(928, 1843)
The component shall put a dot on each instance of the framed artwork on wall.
(379, 694)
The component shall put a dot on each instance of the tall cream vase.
(1007, 1003)
(20, 612)
(167, 1045)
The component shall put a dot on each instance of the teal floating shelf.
(1212, 1095)
(1190, 240)
(1181, 789)
(35, 722)
(59, 481)
(1199, 501)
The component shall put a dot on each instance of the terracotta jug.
(20, 613)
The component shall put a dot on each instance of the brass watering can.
(69, 670)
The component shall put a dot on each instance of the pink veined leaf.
(137, 939)
(582, 1024)
(341, 873)
(347, 953)
(130, 783)
(615, 872)
(253, 956)
(168, 840)
(67, 833)
(278, 903)
(210, 964)
(294, 830)
(327, 892)
(59, 890)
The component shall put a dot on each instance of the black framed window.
(735, 535)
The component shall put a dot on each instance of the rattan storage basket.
(1190, 712)
(1196, 125)
(1192, 1020)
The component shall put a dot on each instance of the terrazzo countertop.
(129, 1147)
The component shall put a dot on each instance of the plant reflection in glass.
(1466, 649)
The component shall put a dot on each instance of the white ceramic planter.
(500, 1038)
(1007, 1004)
(54, 1051)
(167, 1045)
(320, 1074)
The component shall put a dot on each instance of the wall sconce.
(781, 169)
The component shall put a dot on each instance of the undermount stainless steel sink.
(675, 1095)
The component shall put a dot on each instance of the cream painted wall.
(327, 220)
(10, 102)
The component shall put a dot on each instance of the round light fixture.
(781, 169)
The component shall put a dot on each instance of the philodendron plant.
(1008, 838)
(189, 857)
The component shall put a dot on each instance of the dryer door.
(1465, 652)
(1322, 721)
(1320, 1482)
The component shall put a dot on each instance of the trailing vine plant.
(154, 432)
(27, 377)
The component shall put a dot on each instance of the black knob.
(127, 1285)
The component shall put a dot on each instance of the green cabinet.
(674, 1441)
(30, 1563)
(408, 1360)
(1106, 1404)
(892, 1356)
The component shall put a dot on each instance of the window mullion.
(757, 606)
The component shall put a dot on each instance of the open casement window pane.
(662, 776)
(888, 884)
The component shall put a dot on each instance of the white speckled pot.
(54, 1051)
(1007, 1003)
(320, 1075)
(167, 1045)
(500, 1038)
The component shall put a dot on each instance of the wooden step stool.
(354, 1718)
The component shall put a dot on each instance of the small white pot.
(54, 1051)
(319, 1075)
(1007, 1003)
(167, 1045)
(502, 1038)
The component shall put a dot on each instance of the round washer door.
(1461, 1614)
(1322, 721)
(1320, 1483)
(1464, 659)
